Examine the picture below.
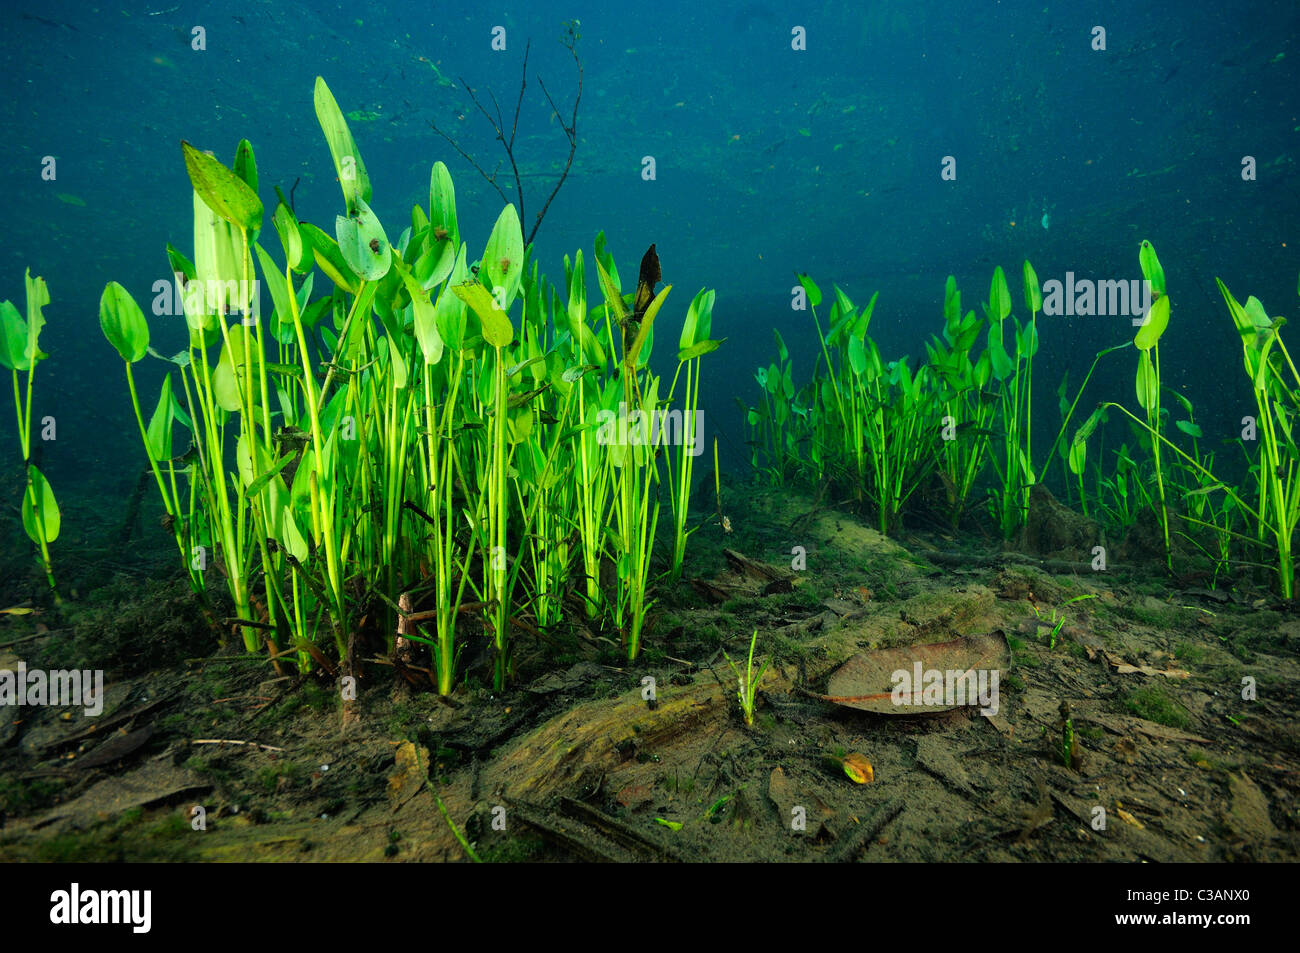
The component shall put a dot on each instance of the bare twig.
(227, 741)
(570, 129)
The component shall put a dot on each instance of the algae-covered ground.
(1171, 762)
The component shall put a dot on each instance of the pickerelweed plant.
(967, 406)
(426, 450)
(870, 424)
(1274, 506)
(1012, 370)
(883, 429)
(20, 352)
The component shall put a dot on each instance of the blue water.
(768, 161)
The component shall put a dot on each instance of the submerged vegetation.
(20, 352)
(937, 439)
(433, 448)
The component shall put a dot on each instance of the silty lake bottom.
(518, 439)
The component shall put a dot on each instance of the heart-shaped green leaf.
(362, 242)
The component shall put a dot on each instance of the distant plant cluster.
(958, 427)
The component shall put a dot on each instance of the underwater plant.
(20, 352)
(747, 681)
(420, 452)
(693, 344)
(869, 423)
(1147, 341)
(1013, 372)
(966, 407)
(633, 442)
(1275, 384)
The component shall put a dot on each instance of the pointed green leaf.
(286, 226)
(609, 288)
(1151, 269)
(1157, 319)
(349, 168)
(1078, 456)
(999, 296)
(1148, 385)
(698, 349)
(326, 252)
(647, 322)
(159, 432)
(426, 324)
(497, 329)
(246, 164)
(503, 258)
(41, 520)
(442, 204)
(13, 339)
(810, 286)
(222, 190)
(1033, 294)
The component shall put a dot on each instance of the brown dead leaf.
(858, 768)
(408, 773)
(866, 681)
(1124, 668)
(1129, 818)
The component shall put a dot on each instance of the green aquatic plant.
(20, 352)
(1012, 370)
(966, 406)
(1147, 341)
(748, 681)
(1275, 385)
(1058, 619)
(1067, 735)
(866, 422)
(419, 446)
(693, 345)
(632, 442)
